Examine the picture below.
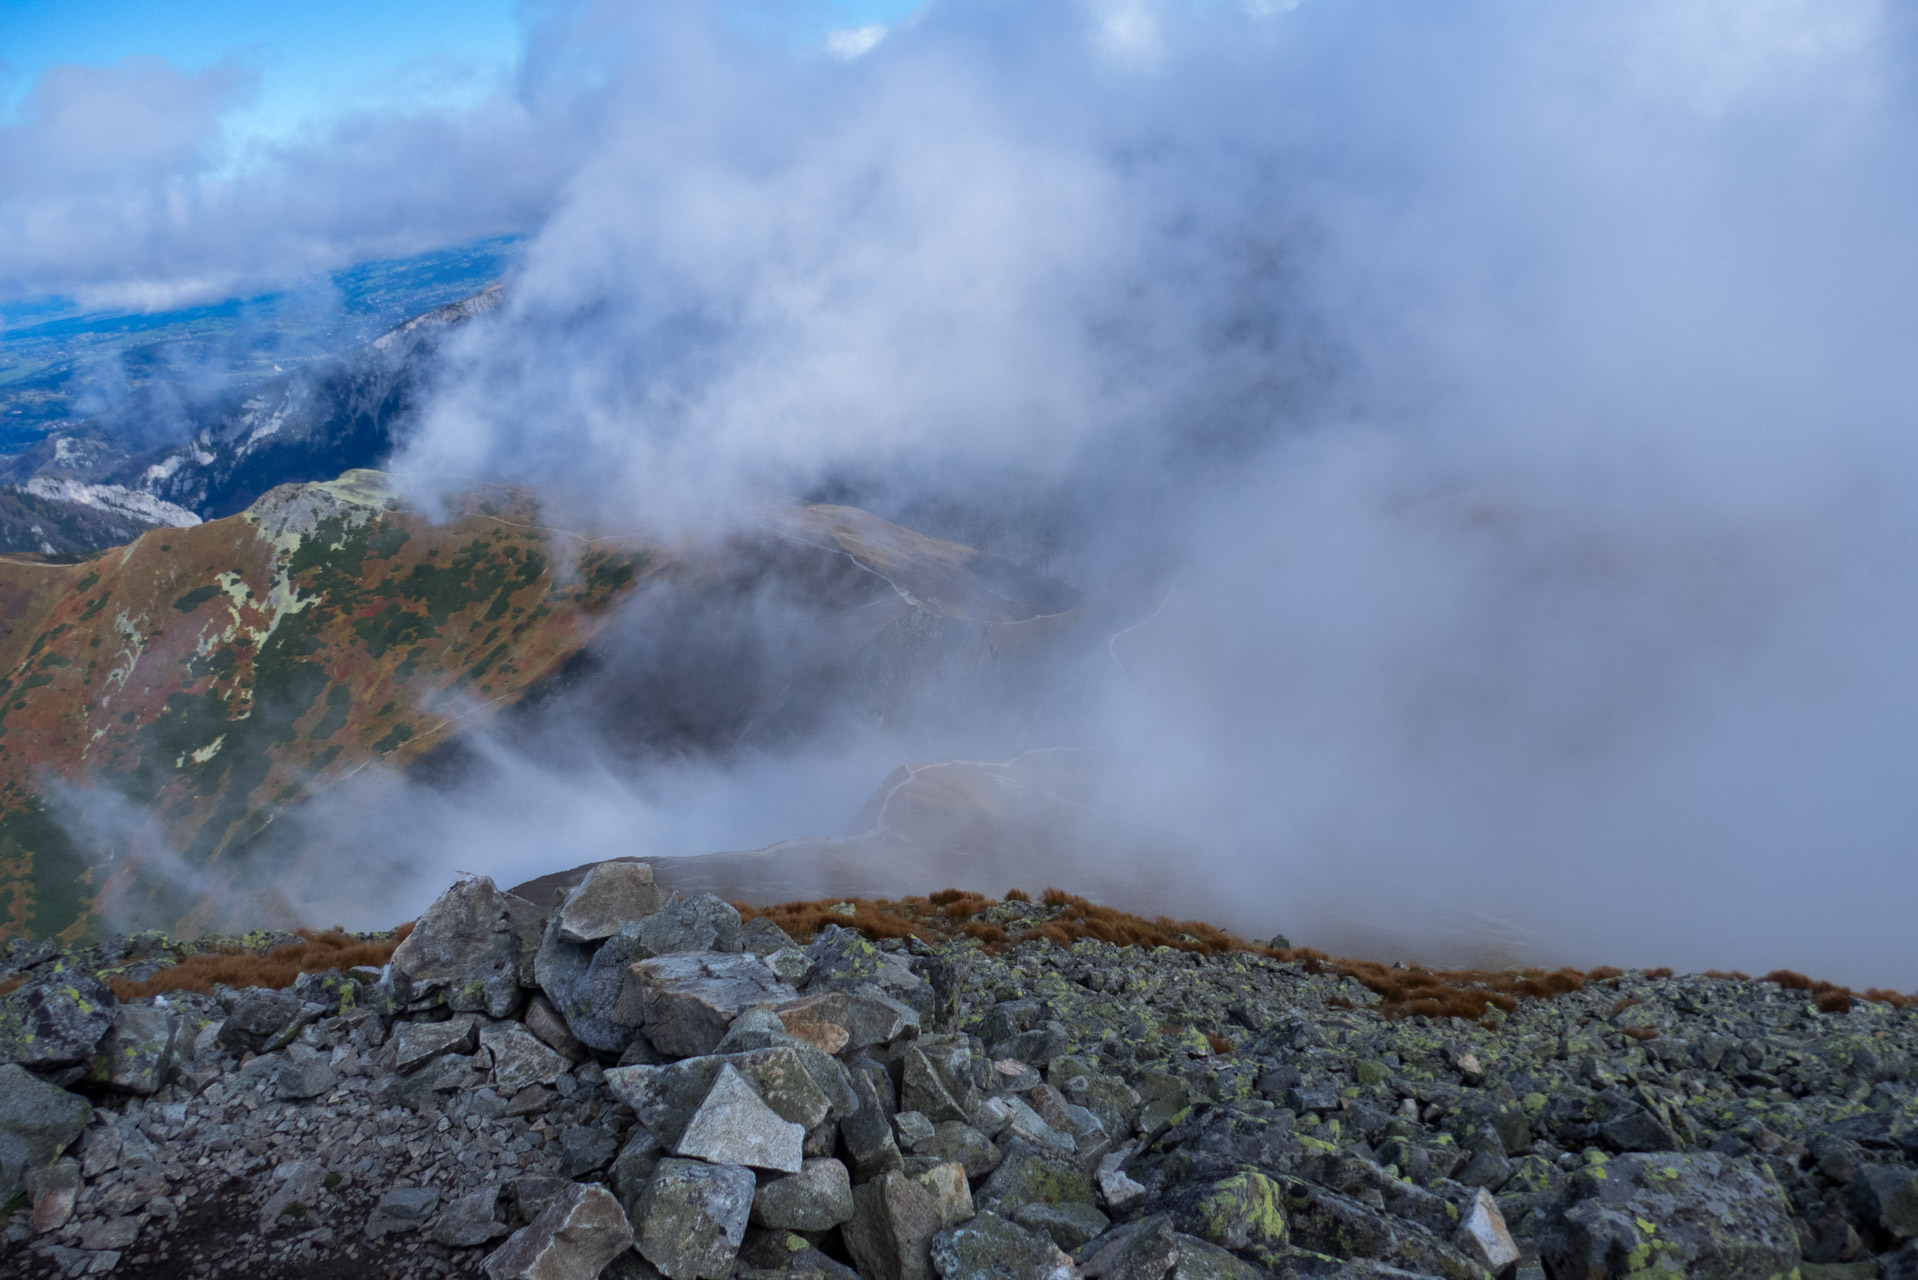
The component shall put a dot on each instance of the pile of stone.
(633, 1084)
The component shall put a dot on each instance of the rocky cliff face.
(620, 1081)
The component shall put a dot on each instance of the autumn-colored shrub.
(1641, 1033)
(316, 952)
(1789, 980)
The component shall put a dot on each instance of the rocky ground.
(632, 1085)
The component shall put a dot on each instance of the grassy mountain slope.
(198, 680)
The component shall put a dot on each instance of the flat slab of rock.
(846, 1021)
(733, 1125)
(692, 1217)
(578, 1232)
(687, 1001)
(519, 1058)
(613, 894)
(417, 1042)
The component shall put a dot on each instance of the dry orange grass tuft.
(316, 952)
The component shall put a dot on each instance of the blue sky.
(315, 60)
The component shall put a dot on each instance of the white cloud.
(855, 41)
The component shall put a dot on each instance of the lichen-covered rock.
(465, 951)
(137, 1051)
(780, 1075)
(1029, 1174)
(1243, 1212)
(987, 1247)
(844, 961)
(1068, 1225)
(957, 1141)
(687, 1001)
(817, 1198)
(573, 1238)
(895, 1217)
(666, 1095)
(56, 1021)
(612, 895)
(692, 1217)
(1700, 1215)
(37, 1123)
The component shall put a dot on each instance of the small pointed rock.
(1482, 1235)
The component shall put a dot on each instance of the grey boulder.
(848, 1021)
(55, 1022)
(137, 1051)
(465, 951)
(687, 1001)
(612, 895)
(417, 1042)
(37, 1123)
(817, 1198)
(989, 1248)
(692, 1217)
(703, 922)
(733, 1125)
(1701, 1215)
(896, 1215)
(306, 1073)
(258, 1017)
(471, 1220)
(578, 1232)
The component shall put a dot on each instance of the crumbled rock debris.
(911, 1109)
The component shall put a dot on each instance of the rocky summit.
(625, 1082)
